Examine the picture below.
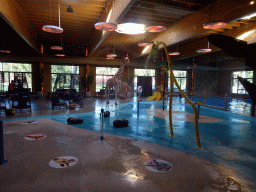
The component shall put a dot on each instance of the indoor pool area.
(119, 161)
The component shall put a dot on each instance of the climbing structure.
(115, 81)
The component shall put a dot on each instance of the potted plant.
(86, 82)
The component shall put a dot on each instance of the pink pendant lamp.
(51, 28)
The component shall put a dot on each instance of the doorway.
(146, 83)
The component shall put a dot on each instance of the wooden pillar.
(47, 78)
(93, 85)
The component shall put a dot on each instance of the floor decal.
(63, 162)
(158, 165)
(28, 122)
(38, 136)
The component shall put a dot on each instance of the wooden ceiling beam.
(121, 9)
(192, 25)
(13, 14)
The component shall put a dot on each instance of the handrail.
(173, 79)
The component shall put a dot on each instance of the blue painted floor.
(230, 143)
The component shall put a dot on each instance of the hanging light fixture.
(204, 50)
(5, 51)
(155, 28)
(58, 48)
(214, 24)
(112, 55)
(145, 44)
(106, 26)
(51, 28)
(175, 53)
(3, 48)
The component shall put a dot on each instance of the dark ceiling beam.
(13, 14)
(70, 61)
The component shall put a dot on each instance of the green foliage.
(86, 81)
(64, 69)
(106, 70)
(144, 72)
(16, 67)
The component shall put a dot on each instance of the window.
(9, 70)
(102, 75)
(237, 87)
(144, 72)
(65, 77)
(181, 77)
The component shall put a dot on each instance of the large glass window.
(102, 75)
(144, 72)
(237, 87)
(11, 70)
(181, 77)
(65, 77)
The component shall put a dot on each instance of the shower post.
(226, 101)
(204, 99)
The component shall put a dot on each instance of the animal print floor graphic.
(29, 122)
(158, 165)
(38, 136)
(63, 162)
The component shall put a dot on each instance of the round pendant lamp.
(155, 28)
(60, 55)
(57, 48)
(214, 25)
(204, 50)
(106, 26)
(145, 44)
(112, 54)
(5, 51)
(175, 53)
(51, 28)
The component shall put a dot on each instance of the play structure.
(2, 92)
(173, 80)
(157, 96)
(21, 93)
(115, 81)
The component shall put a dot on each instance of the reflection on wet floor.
(235, 105)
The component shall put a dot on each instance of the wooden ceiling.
(81, 39)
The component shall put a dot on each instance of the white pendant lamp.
(58, 48)
(155, 28)
(176, 52)
(106, 26)
(204, 50)
(112, 54)
(214, 24)
(145, 44)
(51, 28)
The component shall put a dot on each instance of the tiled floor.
(121, 162)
